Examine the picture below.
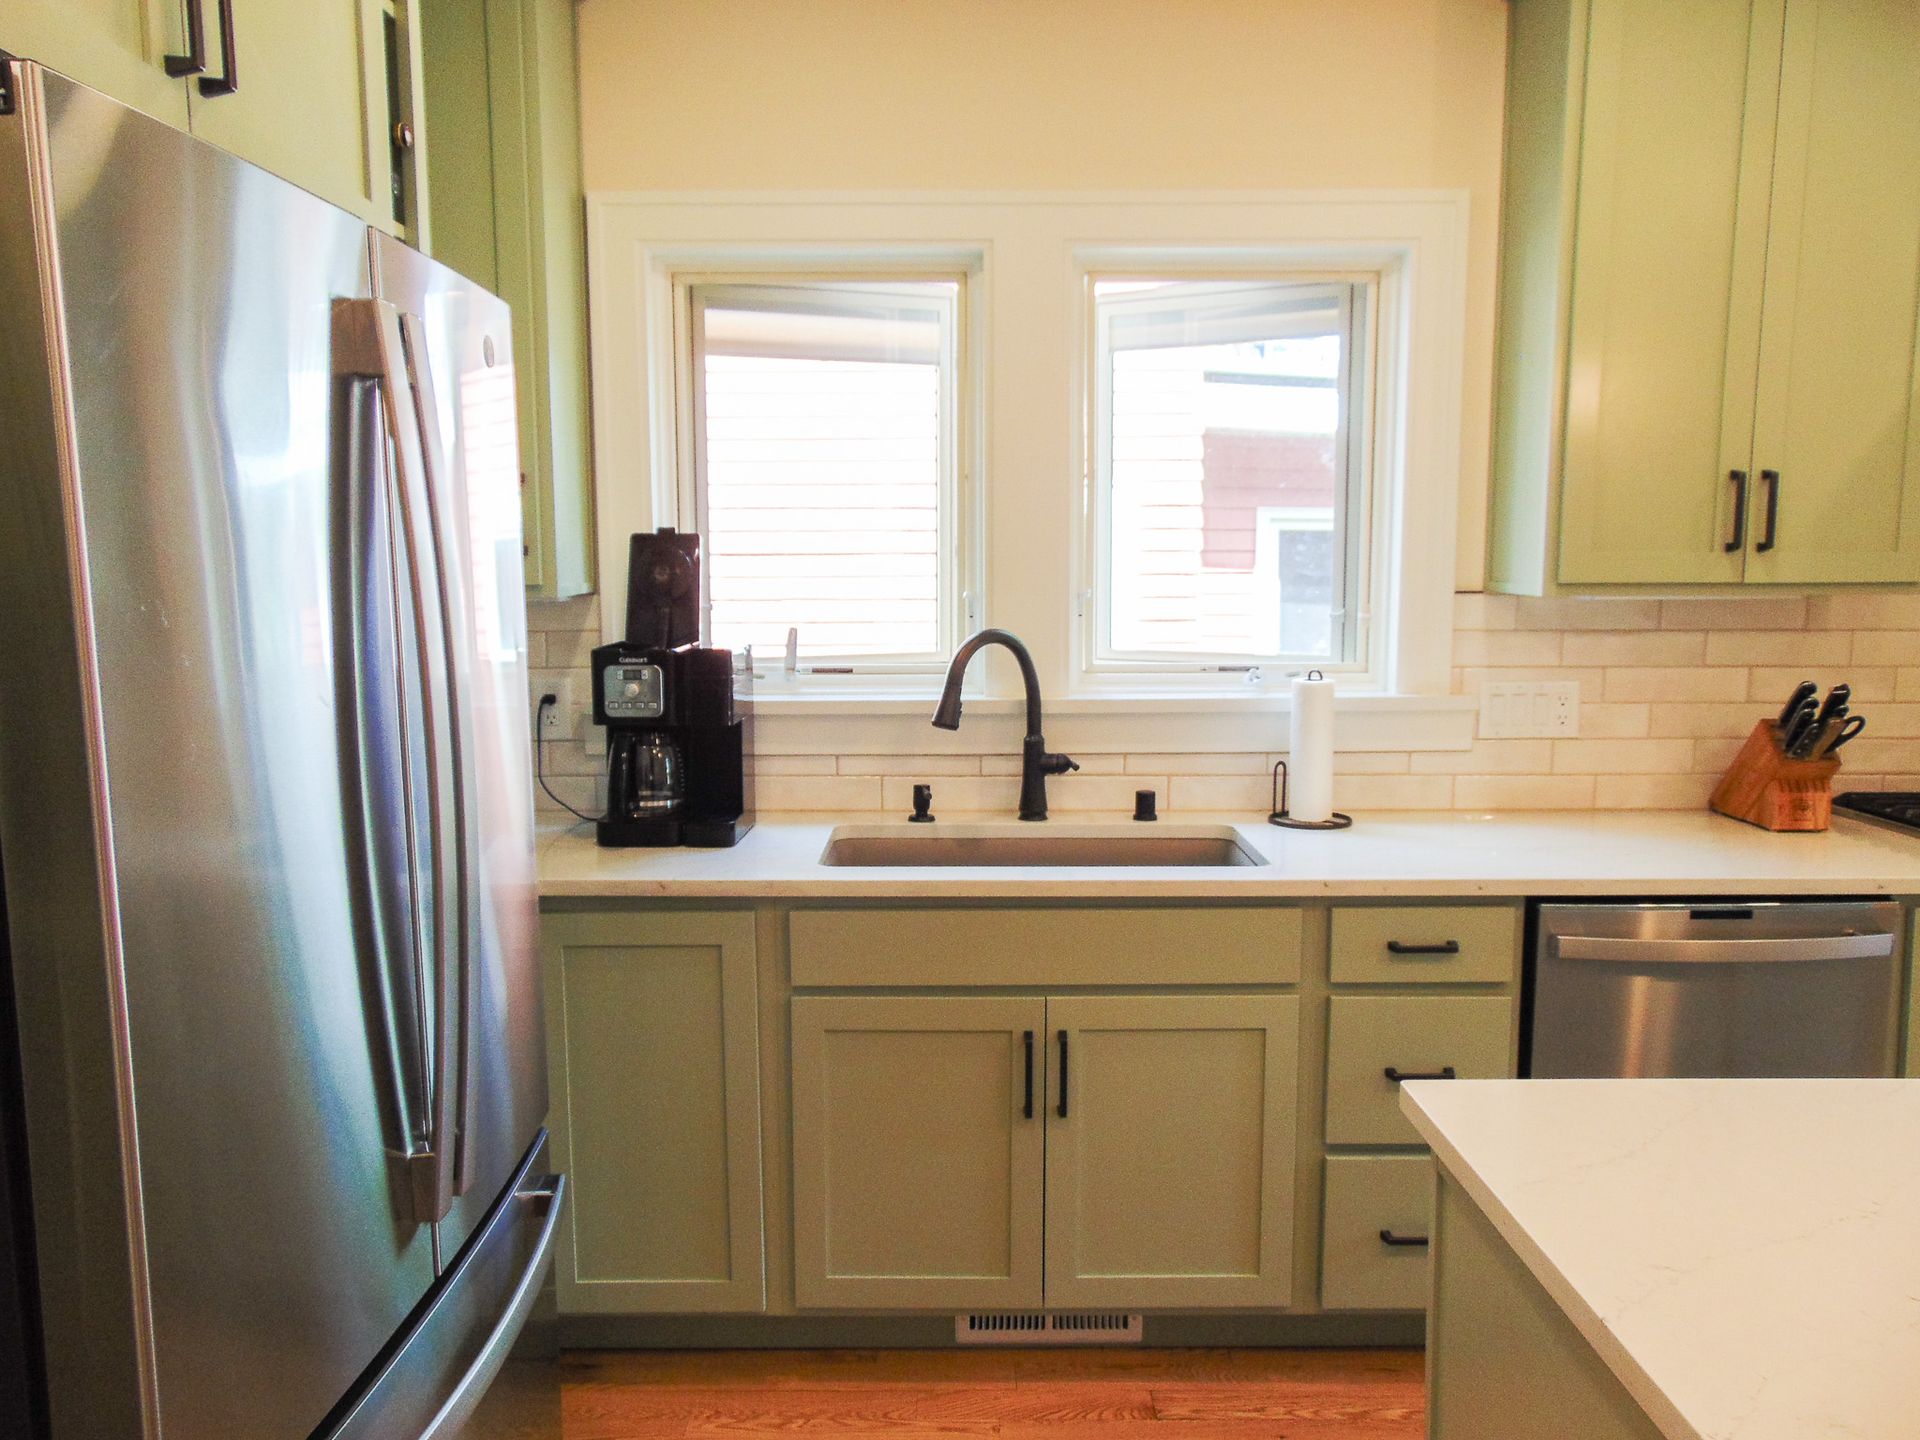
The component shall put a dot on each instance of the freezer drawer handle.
(1444, 947)
(1445, 1072)
(550, 1193)
(1387, 1237)
(1724, 952)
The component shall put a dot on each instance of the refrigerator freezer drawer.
(447, 1356)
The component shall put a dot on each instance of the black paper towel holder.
(1336, 821)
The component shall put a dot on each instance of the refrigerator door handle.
(450, 584)
(357, 622)
(551, 1191)
(369, 341)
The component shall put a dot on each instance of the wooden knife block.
(1764, 787)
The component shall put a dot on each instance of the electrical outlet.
(560, 720)
(1529, 709)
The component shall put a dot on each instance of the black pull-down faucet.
(1036, 762)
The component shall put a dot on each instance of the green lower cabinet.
(936, 1139)
(653, 1044)
(1170, 1151)
(1375, 1229)
(1413, 1036)
(917, 1157)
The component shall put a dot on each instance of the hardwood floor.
(1017, 1394)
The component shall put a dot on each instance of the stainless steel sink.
(1105, 847)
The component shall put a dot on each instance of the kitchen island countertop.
(1440, 854)
(1744, 1255)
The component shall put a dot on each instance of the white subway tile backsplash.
(1669, 690)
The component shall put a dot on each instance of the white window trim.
(1024, 254)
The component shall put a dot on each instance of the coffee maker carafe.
(679, 749)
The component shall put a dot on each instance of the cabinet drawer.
(1160, 945)
(1368, 1194)
(1425, 944)
(1411, 1033)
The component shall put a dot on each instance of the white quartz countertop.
(1743, 1254)
(1618, 853)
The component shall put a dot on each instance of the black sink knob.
(922, 805)
(1144, 805)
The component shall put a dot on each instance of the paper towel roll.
(1310, 756)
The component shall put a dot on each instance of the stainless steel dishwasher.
(1769, 989)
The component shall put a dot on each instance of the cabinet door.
(916, 1163)
(1838, 423)
(1670, 240)
(1170, 1150)
(119, 47)
(310, 103)
(654, 1053)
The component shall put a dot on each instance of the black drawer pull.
(1445, 947)
(1027, 1109)
(1387, 1237)
(1445, 1072)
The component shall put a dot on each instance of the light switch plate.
(1529, 709)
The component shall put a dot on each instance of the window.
(825, 468)
(1229, 474)
(1178, 572)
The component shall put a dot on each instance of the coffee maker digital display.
(679, 746)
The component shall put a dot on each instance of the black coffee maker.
(679, 744)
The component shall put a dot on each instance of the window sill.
(1226, 723)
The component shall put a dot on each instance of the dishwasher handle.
(1739, 952)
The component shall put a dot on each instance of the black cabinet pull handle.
(1445, 1072)
(1387, 1237)
(1771, 479)
(1739, 540)
(229, 78)
(1028, 1107)
(1445, 947)
(1063, 1074)
(194, 62)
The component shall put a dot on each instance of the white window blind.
(825, 467)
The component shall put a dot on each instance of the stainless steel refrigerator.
(271, 1074)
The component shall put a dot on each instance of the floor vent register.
(1033, 1327)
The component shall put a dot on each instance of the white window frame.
(956, 584)
(1364, 656)
(1026, 255)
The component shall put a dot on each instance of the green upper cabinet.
(1837, 432)
(320, 93)
(502, 103)
(120, 47)
(1711, 245)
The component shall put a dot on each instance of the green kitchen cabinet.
(1373, 1041)
(1706, 363)
(652, 1027)
(917, 1153)
(502, 103)
(1376, 1226)
(320, 93)
(1170, 1151)
(119, 47)
(937, 1139)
